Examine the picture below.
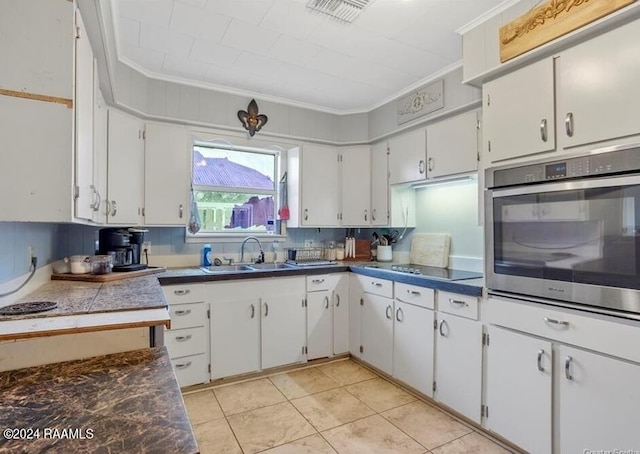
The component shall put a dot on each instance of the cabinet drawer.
(376, 286)
(616, 337)
(456, 304)
(188, 315)
(412, 294)
(186, 293)
(318, 283)
(191, 370)
(184, 342)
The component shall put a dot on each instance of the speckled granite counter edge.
(471, 287)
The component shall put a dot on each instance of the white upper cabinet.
(356, 185)
(518, 112)
(166, 174)
(598, 88)
(407, 157)
(86, 198)
(452, 145)
(379, 184)
(126, 168)
(314, 197)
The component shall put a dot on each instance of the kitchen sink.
(270, 266)
(225, 269)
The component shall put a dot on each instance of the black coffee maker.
(124, 246)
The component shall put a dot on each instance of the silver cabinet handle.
(457, 302)
(182, 292)
(113, 208)
(430, 164)
(421, 166)
(442, 324)
(317, 281)
(306, 214)
(183, 365)
(326, 302)
(553, 321)
(543, 130)
(183, 312)
(373, 214)
(337, 300)
(108, 205)
(399, 315)
(183, 338)
(266, 309)
(413, 292)
(366, 215)
(376, 284)
(567, 368)
(540, 354)
(181, 211)
(568, 124)
(386, 312)
(253, 311)
(95, 205)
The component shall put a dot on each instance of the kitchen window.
(234, 189)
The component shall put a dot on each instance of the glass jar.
(340, 252)
(101, 264)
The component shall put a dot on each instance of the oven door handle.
(605, 182)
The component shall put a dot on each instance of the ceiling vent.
(343, 10)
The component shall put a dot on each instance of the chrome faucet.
(260, 258)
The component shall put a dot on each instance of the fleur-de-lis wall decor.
(250, 119)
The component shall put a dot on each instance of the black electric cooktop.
(434, 272)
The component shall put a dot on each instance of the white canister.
(385, 254)
(80, 264)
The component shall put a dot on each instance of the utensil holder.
(385, 254)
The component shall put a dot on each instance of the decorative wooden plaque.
(425, 100)
(550, 21)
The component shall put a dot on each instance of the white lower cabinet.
(413, 346)
(377, 332)
(188, 339)
(458, 364)
(598, 403)
(319, 324)
(518, 389)
(356, 303)
(341, 309)
(256, 324)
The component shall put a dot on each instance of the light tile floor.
(338, 407)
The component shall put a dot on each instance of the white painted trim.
(26, 328)
(498, 9)
(42, 276)
(458, 262)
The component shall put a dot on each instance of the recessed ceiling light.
(343, 10)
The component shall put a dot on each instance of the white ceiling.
(280, 49)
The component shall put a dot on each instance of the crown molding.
(486, 16)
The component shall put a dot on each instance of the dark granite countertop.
(122, 403)
(472, 287)
(75, 298)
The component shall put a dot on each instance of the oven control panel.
(596, 164)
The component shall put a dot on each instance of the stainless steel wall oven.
(567, 229)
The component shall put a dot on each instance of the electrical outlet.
(308, 243)
(146, 247)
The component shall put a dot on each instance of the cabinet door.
(126, 168)
(596, 82)
(100, 155)
(86, 192)
(599, 399)
(413, 346)
(356, 185)
(379, 184)
(377, 332)
(518, 112)
(518, 389)
(235, 337)
(407, 157)
(319, 318)
(319, 202)
(166, 175)
(459, 364)
(341, 306)
(283, 329)
(356, 303)
(452, 145)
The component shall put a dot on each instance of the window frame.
(229, 236)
